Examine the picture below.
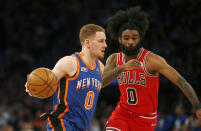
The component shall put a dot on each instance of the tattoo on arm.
(109, 76)
(188, 91)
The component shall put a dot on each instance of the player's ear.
(86, 42)
(119, 38)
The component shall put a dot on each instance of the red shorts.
(124, 120)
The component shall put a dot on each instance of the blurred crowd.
(38, 33)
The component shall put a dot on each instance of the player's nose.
(105, 45)
(131, 42)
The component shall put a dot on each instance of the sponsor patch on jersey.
(97, 70)
(84, 69)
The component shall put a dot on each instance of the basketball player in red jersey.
(137, 108)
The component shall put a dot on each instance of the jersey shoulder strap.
(142, 54)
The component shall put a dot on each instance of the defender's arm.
(158, 64)
(110, 70)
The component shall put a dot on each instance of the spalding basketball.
(42, 83)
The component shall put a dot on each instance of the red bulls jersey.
(139, 89)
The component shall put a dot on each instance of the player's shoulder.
(153, 55)
(100, 62)
(113, 57)
(101, 65)
(112, 60)
(155, 58)
(68, 60)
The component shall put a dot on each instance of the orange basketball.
(42, 83)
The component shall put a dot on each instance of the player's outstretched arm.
(158, 64)
(111, 71)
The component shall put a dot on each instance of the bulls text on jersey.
(129, 77)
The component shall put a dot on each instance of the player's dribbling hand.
(132, 64)
(26, 86)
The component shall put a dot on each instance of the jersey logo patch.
(97, 70)
(84, 69)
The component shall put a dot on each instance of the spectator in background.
(26, 124)
(7, 128)
(180, 117)
(4, 116)
(196, 125)
(165, 119)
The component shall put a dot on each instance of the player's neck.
(88, 58)
(127, 58)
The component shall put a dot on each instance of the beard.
(131, 50)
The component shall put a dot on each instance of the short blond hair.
(89, 30)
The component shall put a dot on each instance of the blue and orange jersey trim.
(60, 126)
(91, 68)
(100, 69)
(64, 88)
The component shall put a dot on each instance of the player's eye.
(125, 38)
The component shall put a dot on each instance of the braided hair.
(132, 18)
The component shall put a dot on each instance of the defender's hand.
(132, 64)
(198, 113)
